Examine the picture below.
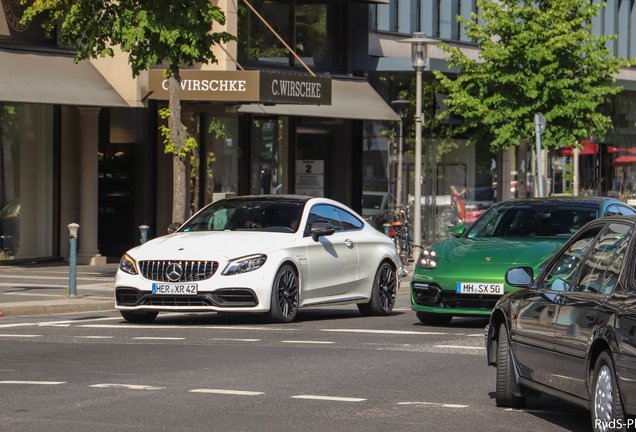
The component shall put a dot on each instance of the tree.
(535, 57)
(152, 32)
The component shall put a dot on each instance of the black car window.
(561, 276)
(349, 221)
(601, 269)
(323, 213)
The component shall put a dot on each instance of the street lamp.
(400, 105)
(419, 57)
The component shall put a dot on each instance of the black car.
(571, 332)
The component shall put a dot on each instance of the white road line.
(329, 398)
(79, 278)
(307, 342)
(400, 332)
(90, 287)
(460, 347)
(31, 294)
(19, 335)
(50, 323)
(127, 326)
(127, 386)
(535, 411)
(237, 340)
(94, 337)
(475, 335)
(402, 309)
(228, 392)
(434, 404)
(34, 382)
(159, 338)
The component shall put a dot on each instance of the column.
(87, 235)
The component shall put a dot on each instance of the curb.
(56, 307)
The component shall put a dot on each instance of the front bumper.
(432, 297)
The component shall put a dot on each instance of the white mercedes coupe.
(269, 254)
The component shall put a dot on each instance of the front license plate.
(479, 288)
(179, 289)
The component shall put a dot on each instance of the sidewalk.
(38, 289)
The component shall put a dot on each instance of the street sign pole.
(539, 128)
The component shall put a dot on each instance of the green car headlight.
(244, 264)
(428, 259)
(128, 265)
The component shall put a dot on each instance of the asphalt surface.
(331, 370)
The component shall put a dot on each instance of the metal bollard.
(144, 233)
(72, 277)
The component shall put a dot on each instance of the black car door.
(585, 308)
(535, 331)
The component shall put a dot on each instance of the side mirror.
(520, 277)
(174, 226)
(321, 229)
(458, 231)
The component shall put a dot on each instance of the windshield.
(372, 201)
(235, 215)
(533, 220)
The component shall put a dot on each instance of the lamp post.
(400, 105)
(418, 43)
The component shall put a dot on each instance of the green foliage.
(217, 127)
(150, 31)
(171, 147)
(535, 57)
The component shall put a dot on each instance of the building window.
(396, 15)
(438, 19)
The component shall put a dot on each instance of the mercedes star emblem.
(173, 272)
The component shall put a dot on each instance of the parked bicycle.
(400, 232)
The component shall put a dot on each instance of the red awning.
(588, 148)
(623, 161)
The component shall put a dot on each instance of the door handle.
(348, 243)
(551, 310)
(590, 316)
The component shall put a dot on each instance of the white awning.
(53, 79)
(351, 99)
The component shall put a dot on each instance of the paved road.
(331, 370)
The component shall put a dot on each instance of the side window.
(612, 211)
(349, 221)
(627, 211)
(601, 270)
(561, 275)
(323, 213)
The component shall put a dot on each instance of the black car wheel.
(285, 295)
(607, 407)
(139, 317)
(434, 318)
(505, 373)
(383, 293)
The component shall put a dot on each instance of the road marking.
(307, 342)
(445, 405)
(475, 335)
(229, 392)
(47, 277)
(402, 309)
(158, 338)
(94, 337)
(127, 386)
(231, 339)
(19, 335)
(535, 411)
(50, 323)
(135, 326)
(34, 382)
(329, 398)
(400, 332)
(459, 347)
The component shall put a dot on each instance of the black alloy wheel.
(285, 295)
(505, 373)
(139, 317)
(383, 294)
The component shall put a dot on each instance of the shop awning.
(53, 79)
(351, 99)
(623, 161)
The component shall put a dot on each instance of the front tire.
(383, 293)
(285, 295)
(505, 374)
(136, 317)
(434, 318)
(606, 398)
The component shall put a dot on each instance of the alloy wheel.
(603, 397)
(387, 287)
(288, 293)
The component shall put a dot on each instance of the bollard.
(144, 233)
(72, 277)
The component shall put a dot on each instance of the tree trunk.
(178, 136)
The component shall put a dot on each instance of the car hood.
(212, 245)
(527, 251)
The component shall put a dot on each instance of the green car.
(464, 276)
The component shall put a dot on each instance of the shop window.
(220, 158)
(270, 154)
(26, 181)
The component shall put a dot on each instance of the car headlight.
(428, 259)
(128, 265)
(244, 264)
